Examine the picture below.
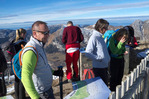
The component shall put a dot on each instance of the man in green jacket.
(36, 72)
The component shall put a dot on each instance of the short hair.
(36, 24)
(120, 33)
(70, 22)
(100, 24)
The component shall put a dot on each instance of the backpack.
(8, 49)
(19, 45)
(88, 74)
(3, 63)
(3, 67)
(107, 36)
(3, 89)
(17, 61)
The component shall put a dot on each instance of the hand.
(126, 52)
(58, 73)
(123, 39)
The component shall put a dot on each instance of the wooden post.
(112, 95)
(118, 92)
(80, 66)
(127, 61)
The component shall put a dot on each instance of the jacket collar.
(95, 32)
(36, 41)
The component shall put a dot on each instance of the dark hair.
(100, 24)
(36, 24)
(130, 30)
(70, 22)
(120, 33)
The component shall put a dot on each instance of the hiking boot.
(69, 81)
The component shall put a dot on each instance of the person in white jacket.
(97, 51)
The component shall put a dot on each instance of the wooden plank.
(134, 75)
(128, 82)
(124, 86)
(140, 68)
(127, 61)
(137, 71)
(118, 92)
(81, 66)
(145, 62)
(112, 95)
(139, 91)
(142, 62)
(132, 78)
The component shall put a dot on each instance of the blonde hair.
(19, 32)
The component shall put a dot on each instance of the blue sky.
(26, 11)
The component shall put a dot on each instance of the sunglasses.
(46, 32)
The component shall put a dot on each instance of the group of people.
(37, 73)
(112, 56)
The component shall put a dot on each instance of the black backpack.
(3, 63)
(3, 67)
(8, 49)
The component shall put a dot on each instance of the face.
(38, 33)
(103, 30)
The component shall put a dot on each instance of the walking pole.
(61, 83)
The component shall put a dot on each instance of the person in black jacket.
(19, 43)
(3, 67)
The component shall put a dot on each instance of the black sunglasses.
(46, 32)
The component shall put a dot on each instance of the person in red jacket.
(72, 36)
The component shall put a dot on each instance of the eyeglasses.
(46, 32)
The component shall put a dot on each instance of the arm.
(29, 63)
(116, 49)
(64, 37)
(91, 48)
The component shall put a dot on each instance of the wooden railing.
(136, 84)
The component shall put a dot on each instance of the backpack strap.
(26, 48)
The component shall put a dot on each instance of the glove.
(58, 73)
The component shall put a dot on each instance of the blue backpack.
(17, 62)
(107, 36)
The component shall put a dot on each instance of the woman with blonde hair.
(19, 40)
(19, 43)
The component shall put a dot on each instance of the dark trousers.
(102, 73)
(116, 72)
(3, 90)
(47, 94)
(19, 89)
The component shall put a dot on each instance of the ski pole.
(61, 83)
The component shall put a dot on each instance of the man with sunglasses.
(36, 72)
